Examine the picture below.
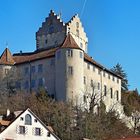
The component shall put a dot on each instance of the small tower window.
(77, 24)
(88, 65)
(117, 95)
(105, 90)
(104, 73)
(70, 70)
(108, 76)
(70, 53)
(81, 55)
(84, 80)
(111, 93)
(91, 83)
(81, 45)
(28, 120)
(93, 68)
(77, 32)
(98, 86)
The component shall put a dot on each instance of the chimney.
(20, 52)
(8, 112)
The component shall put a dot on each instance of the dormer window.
(28, 120)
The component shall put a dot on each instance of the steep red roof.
(7, 58)
(70, 43)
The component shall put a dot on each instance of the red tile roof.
(69, 42)
(23, 58)
(6, 58)
(4, 123)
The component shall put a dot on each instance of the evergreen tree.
(119, 71)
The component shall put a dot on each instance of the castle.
(62, 66)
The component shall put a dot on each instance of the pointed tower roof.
(70, 43)
(6, 57)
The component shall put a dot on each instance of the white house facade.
(27, 126)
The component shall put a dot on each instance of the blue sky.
(112, 26)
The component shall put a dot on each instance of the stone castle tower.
(54, 31)
(69, 67)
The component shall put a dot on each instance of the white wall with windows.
(27, 127)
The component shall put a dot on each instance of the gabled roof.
(48, 128)
(70, 43)
(6, 58)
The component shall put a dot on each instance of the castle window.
(111, 93)
(40, 82)
(70, 70)
(81, 55)
(84, 80)
(77, 24)
(113, 78)
(33, 83)
(98, 86)
(26, 70)
(85, 98)
(81, 45)
(104, 73)
(108, 76)
(99, 71)
(26, 85)
(117, 80)
(28, 120)
(93, 68)
(37, 131)
(46, 41)
(88, 65)
(21, 129)
(40, 68)
(77, 32)
(91, 83)
(105, 90)
(117, 95)
(70, 53)
(33, 69)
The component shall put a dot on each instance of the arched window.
(28, 120)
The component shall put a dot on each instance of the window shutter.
(41, 132)
(17, 129)
(33, 131)
(26, 130)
